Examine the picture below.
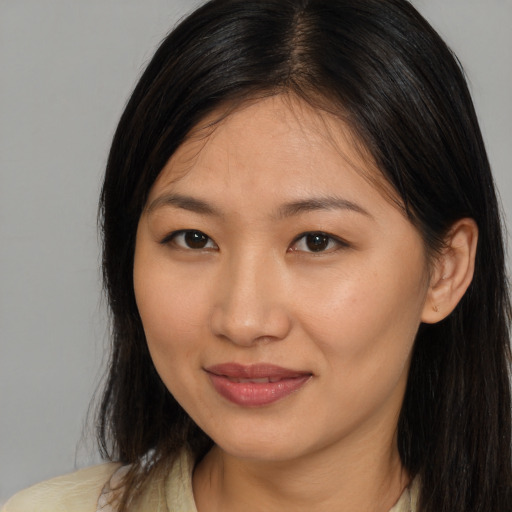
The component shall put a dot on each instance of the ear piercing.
(436, 308)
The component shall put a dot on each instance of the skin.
(256, 293)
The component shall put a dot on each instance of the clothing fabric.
(93, 490)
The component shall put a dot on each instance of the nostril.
(248, 327)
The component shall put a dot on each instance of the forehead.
(278, 141)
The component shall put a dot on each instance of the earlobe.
(453, 271)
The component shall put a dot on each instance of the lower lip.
(254, 394)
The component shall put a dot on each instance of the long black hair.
(383, 69)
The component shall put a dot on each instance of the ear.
(452, 272)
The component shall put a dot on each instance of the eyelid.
(171, 239)
(340, 243)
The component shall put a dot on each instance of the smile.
(256, 381)
(255, 385)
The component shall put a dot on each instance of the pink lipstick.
(255, 385)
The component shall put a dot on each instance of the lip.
(255, 385)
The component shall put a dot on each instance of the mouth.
(256, 381)
(255, 385)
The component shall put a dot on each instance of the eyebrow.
(186, 203)
(287, 210)
(320, 203)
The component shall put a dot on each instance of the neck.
(347, 478)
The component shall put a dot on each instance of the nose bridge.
(250, 304)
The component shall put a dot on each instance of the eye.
(317, 241)
(190, 239)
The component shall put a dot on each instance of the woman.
(304, 261)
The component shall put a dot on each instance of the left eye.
(316, 242)
(191, 239)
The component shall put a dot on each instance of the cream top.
(88, 490)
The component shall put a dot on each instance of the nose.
(250, 304)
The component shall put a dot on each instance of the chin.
(264, 448)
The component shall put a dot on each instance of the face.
(279, 288)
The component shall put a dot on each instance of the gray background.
(66, 70)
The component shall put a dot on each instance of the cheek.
(173, 325)
(171, 319)
(172, 310)
(365, 328)
(363, 315)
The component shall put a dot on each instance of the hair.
(384, 71)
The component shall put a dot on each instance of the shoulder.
(178, 485)
(76, 492)
(409, 499)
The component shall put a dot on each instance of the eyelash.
(172, 237)
(333, 243)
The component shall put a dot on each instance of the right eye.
(190, 239)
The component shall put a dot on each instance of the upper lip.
(255, 371)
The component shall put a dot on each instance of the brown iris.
(196, 239)
(316, 242)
